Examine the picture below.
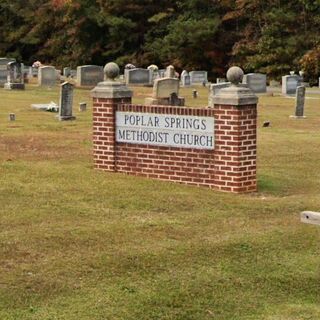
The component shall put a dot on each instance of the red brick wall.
(231, 166)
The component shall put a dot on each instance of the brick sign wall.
(226, 162)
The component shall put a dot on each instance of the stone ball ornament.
(235, 75)
(111, 71)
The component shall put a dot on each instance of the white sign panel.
(165, 130)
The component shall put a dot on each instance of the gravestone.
(67, 72)
(185, 79)
(66, 102)
(89, 75)
(290, 84)
(27, 72)
(257, 82)
(50, 107)
(154, 71)
(47, 76)
(138, 76)
(300, 99)
(198, 77)
(4, 69)
(35, 72)
(170, 72)
(165, 92)
(162, 73)
(73, 73)
(15, 78)
(153, 67)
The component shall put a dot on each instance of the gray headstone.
(257, 82)
(4, 70)
(66, 102)
(300, 99)
(15, 77)
(185, 79)
(47, 76)
(138, 76)
(66, 72)
(89, 76)
(161, 73)
(290, 84)
(73, 73)
(198, 77)
(35, 72)
(27, 72)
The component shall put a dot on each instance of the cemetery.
(73, 232)
(159, 160)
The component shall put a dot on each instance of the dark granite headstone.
(66, 102)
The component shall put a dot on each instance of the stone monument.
(47, 76)
(165, 92)
(170, 72)
(300, 100)
(67, 72)
(257, 82)
(185, 79)
(290, 84)
(138, 77)
(4, 69)
(89, 75)
(198, 77)
(66, 102)
(15, 78)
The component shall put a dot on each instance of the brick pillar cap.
(235, 95)
(111, 89)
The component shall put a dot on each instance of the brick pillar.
(235, 111)
(107, 96)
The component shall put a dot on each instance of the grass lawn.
(81, 244)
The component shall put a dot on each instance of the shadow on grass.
(267, 184)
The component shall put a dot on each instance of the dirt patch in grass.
(47, 146)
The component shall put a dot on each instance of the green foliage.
(272, 37)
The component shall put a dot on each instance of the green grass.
(76, 243)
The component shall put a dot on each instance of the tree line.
(272, 37)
